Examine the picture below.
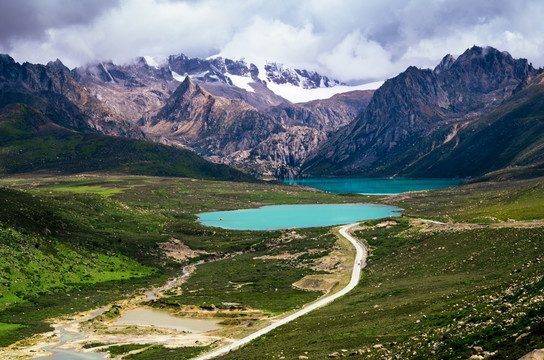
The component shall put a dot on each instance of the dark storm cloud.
(30, 19)
(351, 40)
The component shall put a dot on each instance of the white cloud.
(495, 33)
(138, 27)
(273, 40)
(345, 39)
(357, 58)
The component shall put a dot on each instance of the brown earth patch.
(315, 284)
(178, 251)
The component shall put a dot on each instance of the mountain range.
(478, 113)
(434, 123)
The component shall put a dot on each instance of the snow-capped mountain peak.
(280, 74)
(265, 84)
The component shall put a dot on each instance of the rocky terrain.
(418, 123)
(328, 114)
(420, 111)
(209, 124)
(223, 109)
(51, 90)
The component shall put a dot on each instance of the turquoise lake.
(374, 186)
(296, 216)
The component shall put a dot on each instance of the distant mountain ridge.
(221, 125)
(233, 79)
(419, 111)
(416, 124)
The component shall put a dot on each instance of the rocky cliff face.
(128, 90)
(211, 125)
(281, 154)
(416, 105)
(482, 78)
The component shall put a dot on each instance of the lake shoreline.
(277, 217)
(374, 186)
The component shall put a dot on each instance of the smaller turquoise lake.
(296, 216)
(374, 186)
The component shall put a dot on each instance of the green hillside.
(74, 243)
(30, 142)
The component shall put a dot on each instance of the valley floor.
(459, 275)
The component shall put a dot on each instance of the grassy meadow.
(73, 243)
(471, 287)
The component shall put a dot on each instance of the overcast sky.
(350, 40)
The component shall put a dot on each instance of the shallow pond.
(296, 216)
(58, 353)
(374, 186)
(163, 319)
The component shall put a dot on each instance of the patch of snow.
(296, 94)
(107, 72)
(216, 56)
(242, 82)
(199, 75)
(178, 77)
(151, 62)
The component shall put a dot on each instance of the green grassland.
(440, 292)
(34, 266)
(435, 292)
(258, 283)
(160, 352)
(481, 202)
(149, 351)
(73, 243)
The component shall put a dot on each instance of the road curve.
(360, 262)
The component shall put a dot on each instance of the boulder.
(537, 354)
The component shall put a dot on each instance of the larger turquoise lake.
(296, 216)
(374, 186)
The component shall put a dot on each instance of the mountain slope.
(400, 112)
(128, 90)
(511, 136)
(281, 154)
(211, 125)
(53, 91)
(418, 110)
(328, 114)
(32, 142)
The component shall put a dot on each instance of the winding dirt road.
(360, 262)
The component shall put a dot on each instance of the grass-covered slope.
(436, 291)
(30, 142)
(74, 243)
